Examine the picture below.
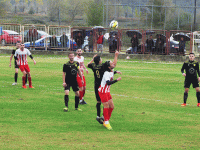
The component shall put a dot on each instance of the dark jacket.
(79, 40)
(134, 42)
(63, 40)
(53, 42)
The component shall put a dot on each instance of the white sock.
(81, 100)
(106, 122)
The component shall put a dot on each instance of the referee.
(192, 68)
(70, 70)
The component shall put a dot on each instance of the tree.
(95, 13)
(3, 6)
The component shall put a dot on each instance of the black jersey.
(13, 52)
(191, 68)
(71, 70)
(98, 72)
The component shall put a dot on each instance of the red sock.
(29, 80)
(83, 93)
(80, 95)
(105, 113)
(110, 112)
(23, 80)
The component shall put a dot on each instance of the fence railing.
(99, 39)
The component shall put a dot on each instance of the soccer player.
(70, 70)
(99, 68)
(21, 59)
(82, 87)
(16, 66)
(104, 93)
(192, 68)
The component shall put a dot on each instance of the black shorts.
(96, 87)
(16, 66)
(74, 86)
(194, 82)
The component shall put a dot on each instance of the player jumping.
(99, 68)
(104, 93)
(82, 87)
(192, 68)
(21, 59)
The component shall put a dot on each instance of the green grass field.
(147, 112)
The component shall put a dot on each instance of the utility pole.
(195, 7)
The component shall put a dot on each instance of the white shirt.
(22, 56)
(104, 88)
(80, 60)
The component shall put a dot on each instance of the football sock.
(83, 93)
(76, 101)
(198, 97)
(29, 80)
(185, 97)
(106, 122)
(23, 80)
(109, 112)
(105, 113)
(66, 100)
(98, 106)
(80, 95)
(26, 79)
(16, 75)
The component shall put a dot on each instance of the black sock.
(26, 79)
(198, 97)
(66, 100)
(185, 97)
(98, 106)
(76, 101)
(16, 75)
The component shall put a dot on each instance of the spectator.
(100, 40)
(159, 44)
(134, 41)
(90, 43)
(32, 35)
(110, 41)
(181, 46)
(79, 41)
(63, 40)
(115, 41)
(53, 41)
(150, 44)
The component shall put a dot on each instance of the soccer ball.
(113, 24)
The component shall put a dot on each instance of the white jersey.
(80, 60)
(22, 56)
(104, 88)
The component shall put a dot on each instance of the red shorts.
(24, 68)
(105, 97)
(79, 81)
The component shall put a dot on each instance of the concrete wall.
(167, 58)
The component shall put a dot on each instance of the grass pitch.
(147, 112)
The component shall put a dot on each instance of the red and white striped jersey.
(104, 88)
(80, 60)
(22, 56)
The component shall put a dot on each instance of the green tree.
(95, 13)
(3, 6)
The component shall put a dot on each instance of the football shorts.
(188, 82)
(74, 86)
(79, 81)
(24, 68)
(105, 97)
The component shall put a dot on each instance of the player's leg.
(66, 97)
(187, 84)
(98, 106)
(196, 86)
(111, 107)
(29, 76)
(16, 76)
(83, 91)
(23, 79)
(76, 90)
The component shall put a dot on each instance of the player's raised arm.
(92, 60)
(115, 59)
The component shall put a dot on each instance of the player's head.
(18, 44)
(71, 56)
(22, 46)
(191, 56)
(79, 52)
(97, 60)
(109, 65)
